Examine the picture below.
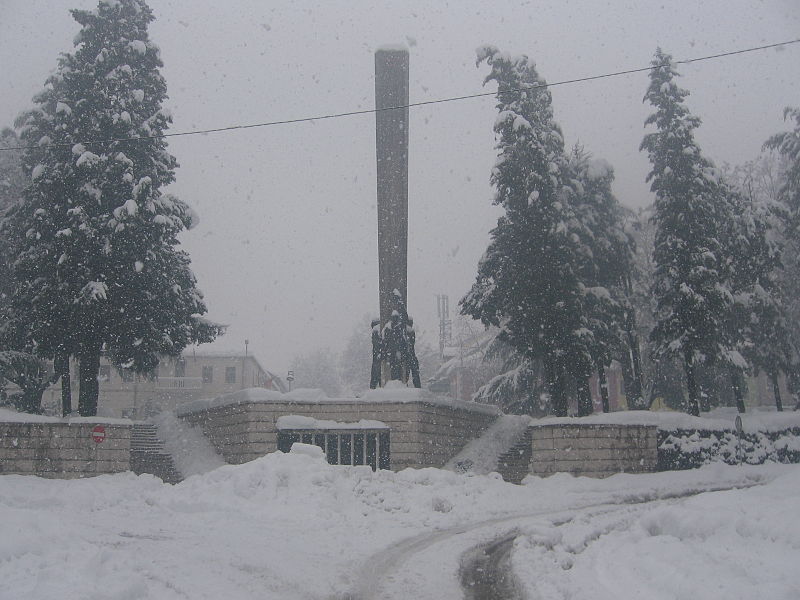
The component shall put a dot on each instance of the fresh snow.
(290, 527)
(138, 46)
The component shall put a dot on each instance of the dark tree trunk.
(626, 364)
(794, 384)
(633, 383)
(62, 371)
(585, 404)
(601, 376)
(557, 387)
(776, 390)
(691, 385)
(633, 380)
(89, 384)
(738, 383)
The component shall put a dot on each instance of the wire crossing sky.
(410, 105)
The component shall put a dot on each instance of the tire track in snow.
(387, 574)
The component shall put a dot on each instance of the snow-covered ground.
(291, 526)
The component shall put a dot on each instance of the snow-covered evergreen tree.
(693, 301)
(527, 282)
(787, 147)
(96, 237)
(12, 183)
(606, 262)
(12, 179)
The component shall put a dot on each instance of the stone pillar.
(391, 141)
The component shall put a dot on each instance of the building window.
(180, 368)
(104, 374)
(364, 447)
(230, 374)
(208, 374)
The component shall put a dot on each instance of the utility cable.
(410, 105)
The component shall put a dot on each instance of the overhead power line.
(367, 111)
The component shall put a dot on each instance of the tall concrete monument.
(391, 144)
(393, 337)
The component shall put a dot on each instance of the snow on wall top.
(394, 392)
(717, 419)
(392, 48)
(301, 422)
(11, 416)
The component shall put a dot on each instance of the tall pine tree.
(605, 268)
(787, 146)
(527, 282)
(693, 302)
(96, 237)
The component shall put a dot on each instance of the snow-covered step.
(149, 456)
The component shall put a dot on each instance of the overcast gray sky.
(286, 248)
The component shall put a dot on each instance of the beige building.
(195, 375)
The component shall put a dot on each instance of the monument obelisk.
(391, 142)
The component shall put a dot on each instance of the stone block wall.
(63, 450)
(593, 450)
(423, 434)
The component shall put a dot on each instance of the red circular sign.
(98, 433)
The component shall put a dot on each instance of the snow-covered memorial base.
(396, 428)
(391, 428)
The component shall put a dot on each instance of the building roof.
(236, 355)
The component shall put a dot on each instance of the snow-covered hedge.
(691, 448)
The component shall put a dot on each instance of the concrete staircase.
(149, 456)
(514, 464)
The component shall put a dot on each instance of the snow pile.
(480, 456)
(727, 545)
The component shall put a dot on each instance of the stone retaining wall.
(593, 450)
(423, 434)
(63, 450)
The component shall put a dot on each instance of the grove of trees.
(572, 281)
